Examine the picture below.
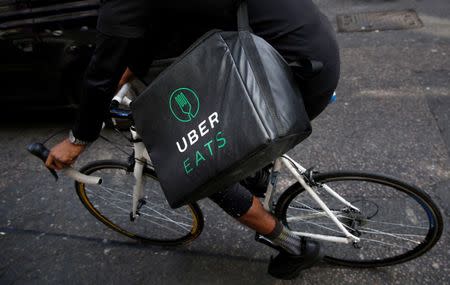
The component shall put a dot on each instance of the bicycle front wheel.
(157, 223)
(397, 222)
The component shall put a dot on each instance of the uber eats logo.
(184, 104)
(205, 139)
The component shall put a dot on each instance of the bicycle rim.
(398, 222)
(157, 223)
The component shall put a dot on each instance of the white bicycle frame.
(142, 158)
(298, 172)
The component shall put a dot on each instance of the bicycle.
(363, 219)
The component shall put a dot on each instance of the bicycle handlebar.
(120, 97)
(40, 151)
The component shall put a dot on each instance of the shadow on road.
(131, 244)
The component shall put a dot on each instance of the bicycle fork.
(141, 158)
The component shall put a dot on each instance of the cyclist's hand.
(63, 155)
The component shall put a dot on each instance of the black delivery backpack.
(228, 106)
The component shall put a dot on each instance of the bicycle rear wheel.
(111, 203)
(398, 222)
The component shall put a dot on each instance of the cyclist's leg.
(239, 203)
(235, 200)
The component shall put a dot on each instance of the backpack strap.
(242, 17)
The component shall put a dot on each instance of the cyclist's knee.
(316, 104)
(236, 200)
(318, 90)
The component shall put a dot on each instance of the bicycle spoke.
(173, 212)
(319, 225)
(181, 225)
(307, 207)
(384, 243)
(159, 215)
(373, 231)
(165, 218)
(109, 190)
(156, 222)
(394, 224)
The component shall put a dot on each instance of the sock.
(285, 239)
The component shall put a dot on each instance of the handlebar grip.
(42, 153)
(39, 150)
(80, 177)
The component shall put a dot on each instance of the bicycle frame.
(298, 172)
(141, 158)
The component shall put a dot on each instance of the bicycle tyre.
(428, 206)
(107, 166)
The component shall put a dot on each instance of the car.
(45, 47)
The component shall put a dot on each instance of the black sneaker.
(288, 266)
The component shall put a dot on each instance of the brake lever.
(40, 151)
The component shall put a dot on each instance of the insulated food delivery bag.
(228, 106)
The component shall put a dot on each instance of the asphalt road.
(392, 116)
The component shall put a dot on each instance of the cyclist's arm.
(127, 76)
(110, 65)
(66, 152)
(91, 114)
(115, 62)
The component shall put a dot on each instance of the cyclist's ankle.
(284, 238)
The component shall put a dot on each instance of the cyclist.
(129, 31)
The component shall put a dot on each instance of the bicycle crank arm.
(263, 240)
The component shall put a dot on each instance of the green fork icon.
(184, 105)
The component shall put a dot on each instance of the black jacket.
(132, 18)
